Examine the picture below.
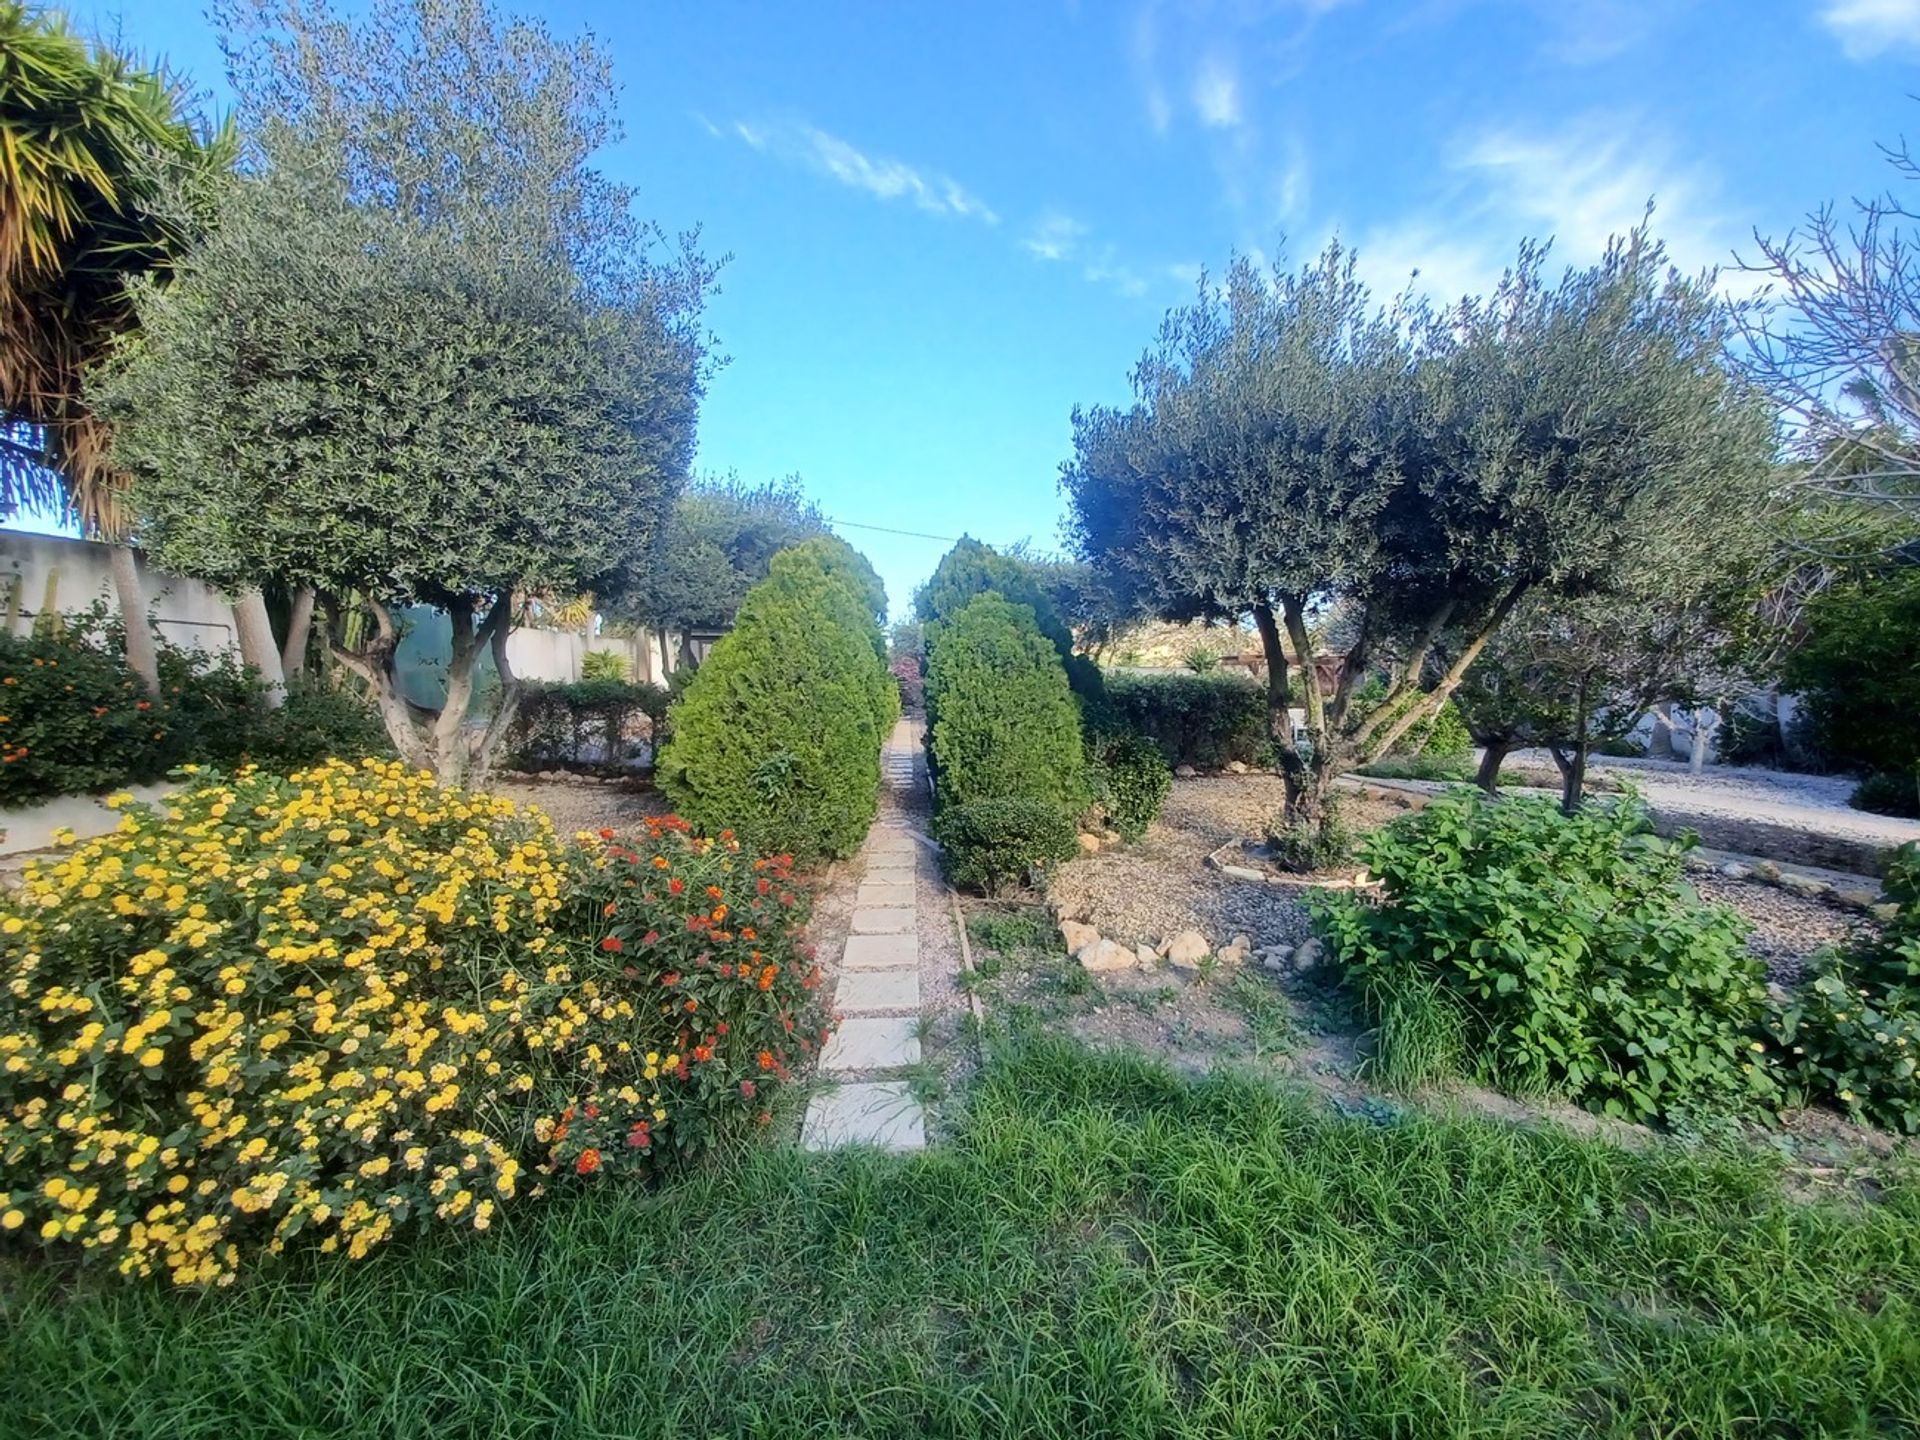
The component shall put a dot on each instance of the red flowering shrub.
(913, 684)
(702, 939)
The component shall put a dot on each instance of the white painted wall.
(38, 571)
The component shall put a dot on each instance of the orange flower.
(588, 1162)
(613, 944)
(660, 862)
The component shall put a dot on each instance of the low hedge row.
(1204, 721)
(74, 719)
(593, 723)
(326, 1008)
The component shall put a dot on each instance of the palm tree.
(87, 139)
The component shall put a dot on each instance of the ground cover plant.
(1554, 954)
(1851, 1033)
(336, 1004)
(1103, 1250)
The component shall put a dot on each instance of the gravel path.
(1812, 802)
(1154, 889)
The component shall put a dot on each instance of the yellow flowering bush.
(340, 1001)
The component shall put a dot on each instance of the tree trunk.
(133, 618)
(293, 654)
(1492, 757)
(1703, 733)
(1297, 773)
(256, 643)
(1574, 775)
(1569, 780)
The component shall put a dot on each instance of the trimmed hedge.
(971, 569)
(1132, 779)
(1198, 720)
(991, 844)
(778, 735)
(74, 719)
(558, 724)
(1001, 719)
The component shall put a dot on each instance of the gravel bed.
(1788, 929)
(584, 807)
(1160, 886)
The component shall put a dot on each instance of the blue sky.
(951, 223)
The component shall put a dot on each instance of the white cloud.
(1578, 186)
(1216, 92)
(1054, 236)
(803, 144)
(1866, 28)
(1105, 269)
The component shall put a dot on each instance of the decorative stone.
(1241, 872)
(872, 1042)
(1184, 772)
(891, 921)
(881, 952)
(1144, 954)
(865, 991)
(1236, 767)
(1734, 870)
(1076, 936)
(880, 1112)
(1309, 955)
(1802, 884)
(1858, 899)
(1186, 950)
(1277, 957)
(1089, 844)
(1107, 955)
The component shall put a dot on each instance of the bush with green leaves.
(585, 722)
(1851, 1033)
(1131, 781)
(1204, 721)
(1855, 674)
(1001, 718)
(1882, 793)
(1304, 846)
(989, 845)
(970, 569)
(603, 665)
(778, 735)
(1556, 954)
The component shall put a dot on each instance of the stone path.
(862, 1098)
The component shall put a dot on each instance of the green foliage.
(1419, 767)
(1572, 956)
(73, 718)
(560, 724)
(1305, 845)
(1202, 660)
(1198, 720)
(424, 355)
(1445, 737)
(1851, 1033)
(970, 569)
(1001, 719)
(1131, 781)
(715, 547)
(1885, 794)
(987, 845)
(778, 735)
(1855, 671)
(603, 665)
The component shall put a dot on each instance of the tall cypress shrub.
(778, 737)
(1002, 717)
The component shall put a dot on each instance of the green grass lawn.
(1106, 1250)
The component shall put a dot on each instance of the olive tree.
(427, 354)
(1297, 454)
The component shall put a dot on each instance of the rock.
(1777, 992)
(1858, 899)
(1235, 951)
(1089, 844)
(1309, 956)
(1734, 870)
(1145, 955)
(1277, 957)
(1186, 950)
(1112, 838)
(1802, 884)
(1076, 936)
(1766, 870)
(1241, 872)
(1184, 772)
(1236, 767)
(1107, 955)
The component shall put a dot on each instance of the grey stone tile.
(876, 1112)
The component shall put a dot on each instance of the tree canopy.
(1295, 452)
(426, 354)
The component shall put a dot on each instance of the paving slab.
(865, 991)
(897, 842)
(890, 867)
(881, 952)
(883, 894)
(874, 1112)
(873, 1042)
(894, 920)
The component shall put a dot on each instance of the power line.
(889, 530)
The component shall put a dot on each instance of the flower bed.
(348, 1000)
